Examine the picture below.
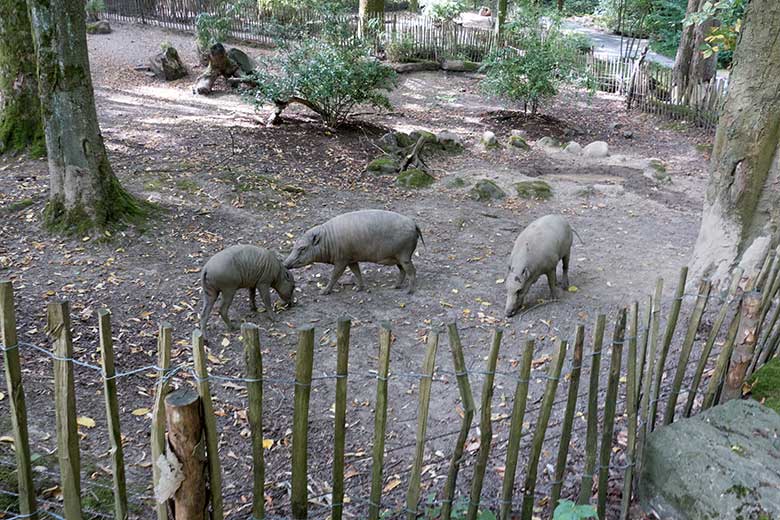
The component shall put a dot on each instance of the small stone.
(450, 141)
(457, 182)
(533, 190)
(628, 134)
(382, 166)
(518, 141)
(99, 27)
(616, 126)
(486, 190)
(596, 150)
(657, 171)
(573, 147)
(548, 142)
(414, 178)
(489, 139)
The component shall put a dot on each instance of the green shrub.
(579, 7)
(401, 51)
(329, 78)
(444, 10)
(211, 29)
(540, 60)
(631, 21)
(568, 510)
(94, 8)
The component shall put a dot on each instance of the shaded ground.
(220, 177)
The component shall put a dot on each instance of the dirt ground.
(220, 177)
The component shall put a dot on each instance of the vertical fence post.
(516, 430)
(58, 327)
(304, 359)
(112, 415)
(744, 347)
(671, 325)
(339, 434)
(413, 494)
(485, 427)
(210, 426)
(642, 360)
(685, 350)
(545, 410)
(184, 418)
(609, 411)
(632, 409)
(467, 400)
(380, 420)
(164, 336)
(568, 418)
(721, 364)
(592, 435)
(13, 380)
(254, 373)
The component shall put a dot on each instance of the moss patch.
(518, 142)
(533, 190)
(765, 384)
(486, 190)
(187, 185)
(17, 206)
(382, 165)
(415, 178)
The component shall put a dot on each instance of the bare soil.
(220, 177)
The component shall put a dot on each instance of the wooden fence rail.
(553, 419)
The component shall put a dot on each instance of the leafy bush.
(568, 510)
(401, 51)
(624, 16)
(93, 9)
(329, 78)
(540, 60)
(444, 10)
(211, 28)
(722, 38)
(664, 24)
(579, 7)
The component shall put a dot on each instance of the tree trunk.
(501, 9)
(84, 192)
(742, 205)
(20, 109)
(560, 5)
(690, 66)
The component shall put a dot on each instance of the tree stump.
(230, 64)
(167, 65)
(185, 439)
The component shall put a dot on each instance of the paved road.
(605, 43)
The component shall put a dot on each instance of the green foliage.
(540, 60)
(579, 7)
(401, 51)
(765, 384)
(460, 508)
(664, 24)
(625, 16)
(444, 10)
(331, 79)
(722, 37)
(568, 510)
(93, 8)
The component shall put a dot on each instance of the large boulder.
(460, 66)
(721, 463)
(486, 190)
(167, 65)
(246, 64)
(450, 141)
(533, 190)
(596, 150)
(99, 27)
(415, 178)
(517, 139)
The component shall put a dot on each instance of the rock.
(573, 147)
(457, 182)
(415, 178)
(485, 11)
(721, 463)
(460, 66)
(548, 142)
(389, 142)
(99, 27)
(382, 166)
(417, 66)
(596, 150)
(517, 139)
(616, 126)
(571, 133)
(533, 190)
(610, 190)
(489, 140)
(628, 134)
(657, 171)
(417, 134)
(450, 141)
(765, 384)
(167, 65)
(244, 62)
(486, 190)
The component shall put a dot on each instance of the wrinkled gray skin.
(381, 237)
(537, 251)
(243, 267)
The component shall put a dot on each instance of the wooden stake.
(744, 348)
(157, 440)
(339, 435)
(304, 359)
(591, 437)
(184, 418)
(632, 408)
(16, 401)
(254, 373)
(380, 420)
(716, 379)
(112, 415)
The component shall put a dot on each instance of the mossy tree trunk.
(742, 205)
(501, 9)
(690, 66)
(20, 113)
(84, 192)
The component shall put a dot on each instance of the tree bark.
(742, 204)
(501, 9)
(84, 192)
(20, 109)
(690, 66)
(367, 10)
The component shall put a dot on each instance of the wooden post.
(714, 331)
(485, 427)
(642, 361)
(609, 411)
(744, 347)
(16, 401)
(339, 435)
(58, 327)
(671, 324)
(164, 336)
(516, 430)
(591, 437)
(209, 426)
(467, 401)
(112, 415)
(632, 409)
(254, 373)
(413, 494)
(184, 418)
(685, 350)
(568, 417)
(304, 359)
(721, 364)
(380, 420)
(553, 375)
